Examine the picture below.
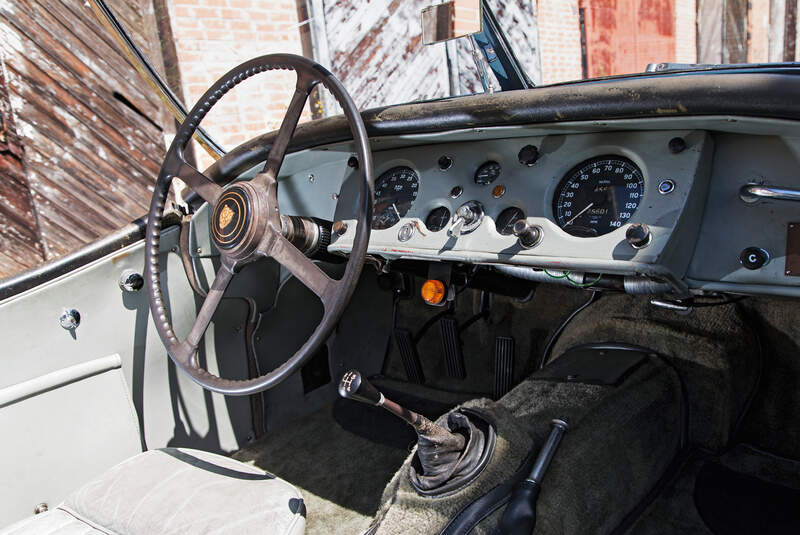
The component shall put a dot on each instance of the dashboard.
(576, 197)
(653, 200)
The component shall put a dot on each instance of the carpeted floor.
(742, 492)
(340, 474)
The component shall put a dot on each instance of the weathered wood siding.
(376, 49)
(90, 129)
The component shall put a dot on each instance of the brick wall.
(211, 37)
(559, 40)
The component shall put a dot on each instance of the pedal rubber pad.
(503, 365)
(451, 348)
(408, 354)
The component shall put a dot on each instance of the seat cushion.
(177, 491)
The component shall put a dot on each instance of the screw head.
(70, 319)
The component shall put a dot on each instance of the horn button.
(237, 223)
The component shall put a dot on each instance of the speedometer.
(598, 196)
(395, 192)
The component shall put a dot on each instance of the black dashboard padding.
(735, 91)
(594, 364)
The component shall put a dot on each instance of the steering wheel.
(246, 223)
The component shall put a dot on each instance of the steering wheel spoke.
(305, 85)
(199, 183)
(303, 268)
(204, 315)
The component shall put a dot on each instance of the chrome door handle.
(751, 193)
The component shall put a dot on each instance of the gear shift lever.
(354, 386)
(443, 455)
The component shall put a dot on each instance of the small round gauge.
(598, 196)
(507, 218)
(487, 173)
(437, 219)
(395, 192)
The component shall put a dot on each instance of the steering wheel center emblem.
(225, 217)
(231, 218)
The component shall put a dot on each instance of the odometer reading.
(598, 196)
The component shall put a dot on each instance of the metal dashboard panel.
(730, 225)
(532, 189)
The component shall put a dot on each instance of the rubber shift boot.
(442, 465)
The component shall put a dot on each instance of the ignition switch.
(467, 218)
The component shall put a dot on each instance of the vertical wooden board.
(624, 36)
(735, 45)
(758, 31)
(655, 39)
(709, 31)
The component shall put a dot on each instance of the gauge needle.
(396, 211)
(579, 214)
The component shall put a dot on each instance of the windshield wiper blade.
(151, 76)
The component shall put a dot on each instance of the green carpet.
(340, 475)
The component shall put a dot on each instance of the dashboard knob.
(638, 235)
(528, 155)
(528, 235)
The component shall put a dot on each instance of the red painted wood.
(623, 36)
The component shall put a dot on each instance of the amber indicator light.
(498, 191)
(432, 291)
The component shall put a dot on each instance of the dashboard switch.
(638, 235)
(528, 235)
(754, 258)
(468, 217)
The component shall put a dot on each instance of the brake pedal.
(408, 354)
(451, 347)
(503, 365)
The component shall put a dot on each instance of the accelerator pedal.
(503, 365)
(409, 356)
(451, 348)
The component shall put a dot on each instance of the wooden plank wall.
(376, 49)
(91, 131)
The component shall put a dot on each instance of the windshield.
(375, 47)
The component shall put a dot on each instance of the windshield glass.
(375, 47)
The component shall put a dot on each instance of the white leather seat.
(173, 491)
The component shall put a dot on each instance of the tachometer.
(598, 196)
(395, 192)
